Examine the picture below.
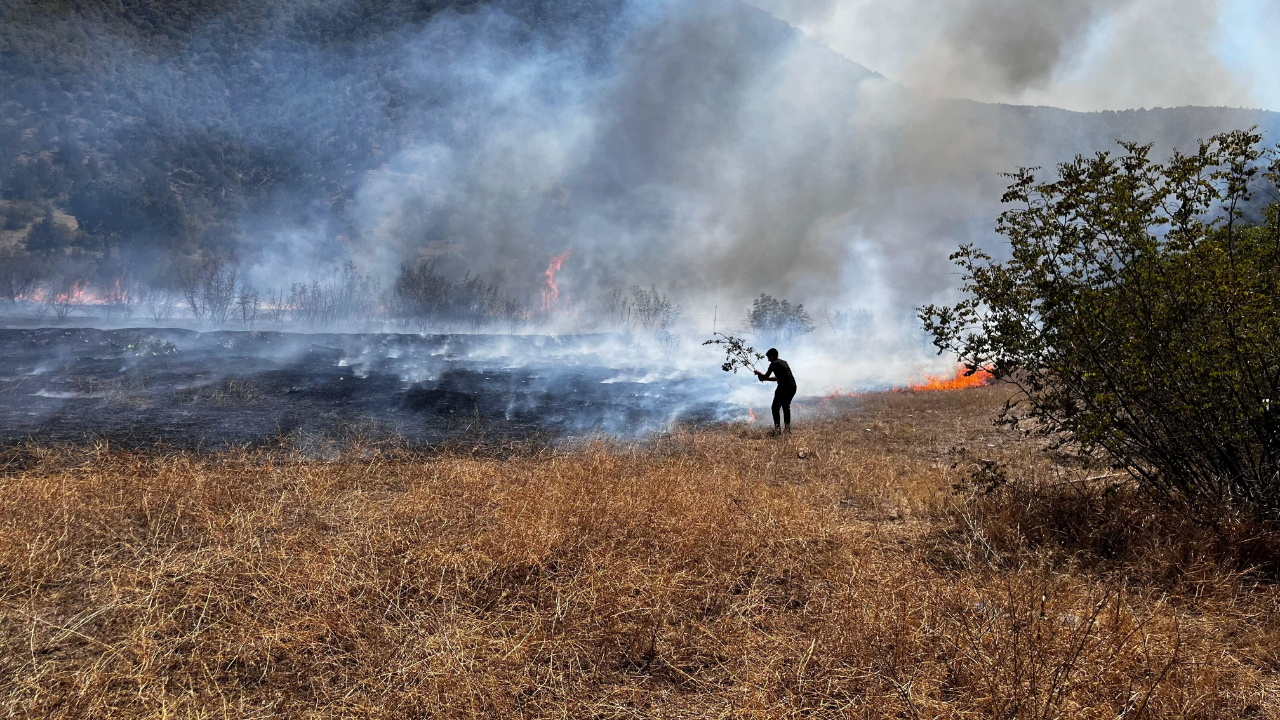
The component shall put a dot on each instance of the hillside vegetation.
(897, 557)
(145, 127)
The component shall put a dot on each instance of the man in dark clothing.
(780, 372)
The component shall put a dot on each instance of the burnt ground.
(212, 389)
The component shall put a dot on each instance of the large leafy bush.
(1139, 311)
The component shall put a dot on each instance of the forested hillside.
(154, 123)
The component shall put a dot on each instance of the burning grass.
(716, 573)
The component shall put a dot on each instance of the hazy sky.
(1076, 54)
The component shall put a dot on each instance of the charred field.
(865, 566)
(187, 389)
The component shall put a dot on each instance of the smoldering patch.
(227, 388)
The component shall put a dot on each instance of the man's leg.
(786, 408)
(777, 406)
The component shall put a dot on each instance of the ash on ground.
(214, 389)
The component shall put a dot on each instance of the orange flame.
(930, 383)
(79, 293)
(118, 293)
(958, 381)
(76, 295)
(751, 415)
(551, 291)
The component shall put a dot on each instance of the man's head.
(772, 354)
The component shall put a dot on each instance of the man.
(780, 372)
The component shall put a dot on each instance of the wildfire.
(551, 291)
(751, 415)
(930, 383)
(119, 293)
(958, 381)
(78, 294)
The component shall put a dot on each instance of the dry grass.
(709, 574)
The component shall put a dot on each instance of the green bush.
(1139, 312)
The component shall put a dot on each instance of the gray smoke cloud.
(1013, 45)
(1081, 54)
(717, 154)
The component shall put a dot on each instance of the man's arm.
(767, 377)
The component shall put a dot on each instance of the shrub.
(346, 296)
(652, 309)
(19, 215)
(48, 237)
(209, 289)
(423, 295)
(63, 296)
(1138, 312)
(158, 303)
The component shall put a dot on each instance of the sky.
(1075, 54)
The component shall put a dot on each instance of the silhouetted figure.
(780, 372)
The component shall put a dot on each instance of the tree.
(652, 309)
(19, 274)
(775, 319)
(47, 237)
(1138, 312)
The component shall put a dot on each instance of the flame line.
(930, 383)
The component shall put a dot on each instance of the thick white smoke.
(1079, 54)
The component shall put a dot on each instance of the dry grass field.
(853, 569)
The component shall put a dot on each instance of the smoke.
(714, 151)
(1009, 46)
(1080, 54)
(711, 149)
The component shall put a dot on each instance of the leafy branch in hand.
(736, 353)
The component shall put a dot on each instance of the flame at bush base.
(959, 381)
(930, 383)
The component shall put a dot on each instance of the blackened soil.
(190, 389)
